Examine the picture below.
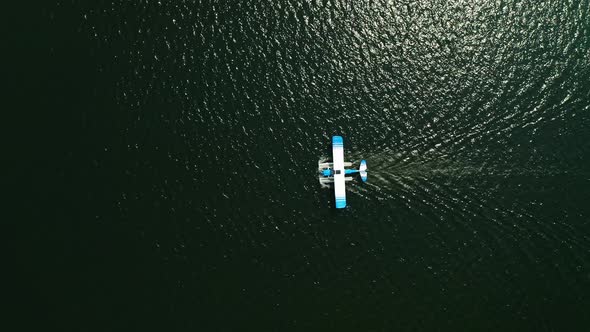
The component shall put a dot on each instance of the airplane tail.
(363, 170)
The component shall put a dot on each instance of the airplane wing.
(338, 167)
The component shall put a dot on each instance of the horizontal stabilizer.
(363, 170)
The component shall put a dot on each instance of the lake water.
(182, 191)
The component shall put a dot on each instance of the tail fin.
(363, 170)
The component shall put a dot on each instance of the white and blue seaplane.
(335, 172)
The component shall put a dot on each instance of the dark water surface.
(184, 151)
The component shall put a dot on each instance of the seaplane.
(335, 171)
